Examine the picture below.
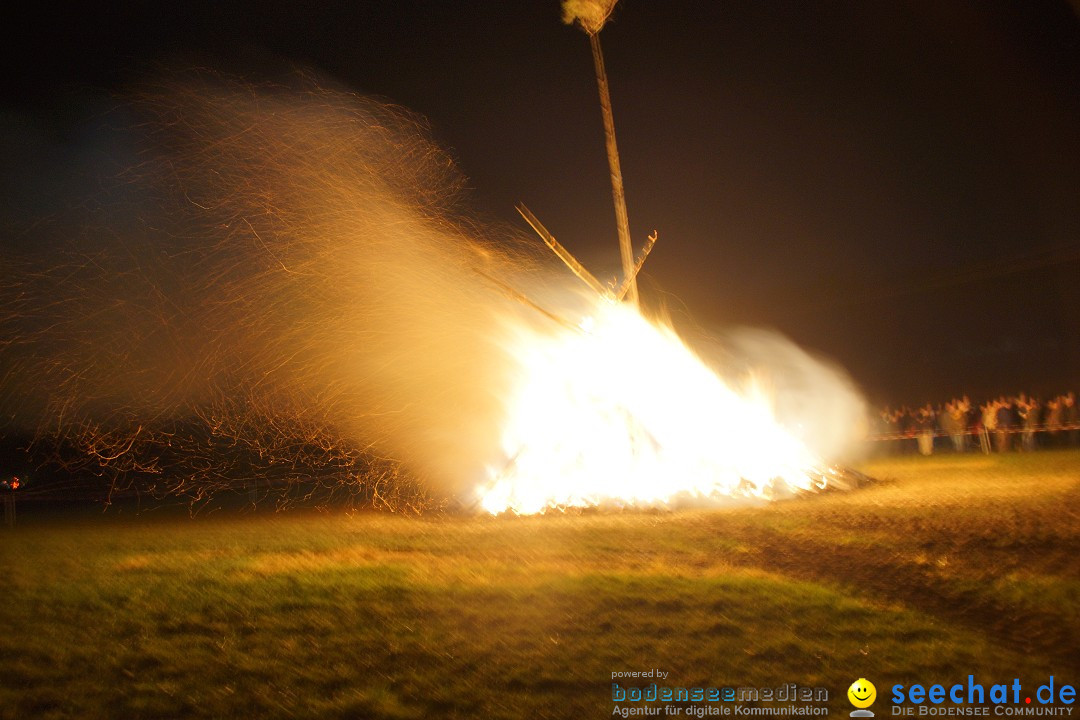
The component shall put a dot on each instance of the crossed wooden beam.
(609, 291)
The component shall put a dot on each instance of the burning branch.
(589, 14)
(571, 262)
(631, 280)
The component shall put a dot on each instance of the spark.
(285, 290)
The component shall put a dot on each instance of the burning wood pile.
(588, 428)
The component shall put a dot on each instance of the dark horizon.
(893, 186)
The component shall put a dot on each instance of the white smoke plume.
(815, 399)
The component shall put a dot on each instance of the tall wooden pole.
(617, 194)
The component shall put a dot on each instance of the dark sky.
(895, 185)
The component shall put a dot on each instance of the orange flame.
(622, 413)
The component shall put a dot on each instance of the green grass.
(949, 565)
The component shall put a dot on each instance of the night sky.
(894, 185)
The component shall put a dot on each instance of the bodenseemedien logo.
(788, 699)
(862, 694)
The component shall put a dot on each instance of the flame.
(622, 413)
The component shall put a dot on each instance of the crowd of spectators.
(1020, 422)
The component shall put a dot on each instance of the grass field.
(948, 566)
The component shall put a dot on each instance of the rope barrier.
(1010, 429)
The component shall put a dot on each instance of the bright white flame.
(623, 413)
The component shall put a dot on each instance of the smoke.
(291, 259)
(813, 398)
(283, 282)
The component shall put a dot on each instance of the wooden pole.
(626, 250)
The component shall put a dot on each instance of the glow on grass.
(623, 413)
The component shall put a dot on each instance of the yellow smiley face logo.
(862, 693)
